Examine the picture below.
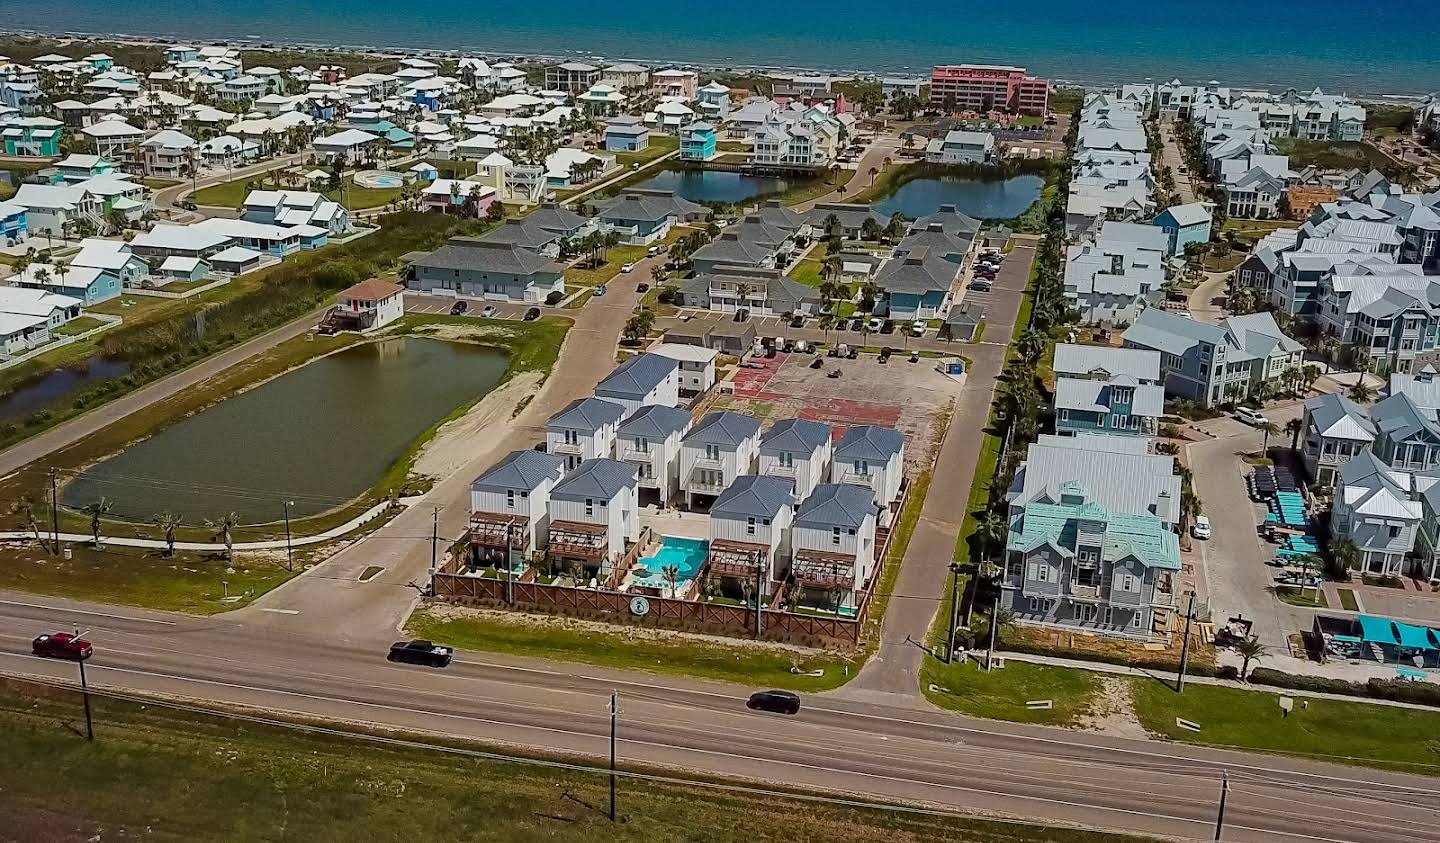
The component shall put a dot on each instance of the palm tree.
(994, 529)
(873, 172)
(97, 511)
(672, 576)
(1270, 428)
(1031, 345)
(167, 522)
(1250, 649)
(1308, 375)
(25, 507)
(1346, 556)
(1293, 427)
(224, 531)
(1361, 393)
(657, 273)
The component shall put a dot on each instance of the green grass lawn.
(550, 637)
(1347, 599)
(614, 259)
(186, 775)
(659, 145)
(78, 326)
(815, 188)
(1330, 155)
(358, 198)
(228, 194)
(1351, 732)
(1313, 597)
(809, 271)
(1001, 694)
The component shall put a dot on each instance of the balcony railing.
(781, 470)
(566, 448)
(859, 478)
(630, 453)
(703, 461)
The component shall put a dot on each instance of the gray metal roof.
(1423, 389)
(650, 206)
(917, 271)
(869, 442)
(1399, 418)
(953, 222)
(754, 496)
(1156, 329)
(637, 376)
(479, 255)
(587, 414)
(1079, 361)
(1129, 484)
(1337, 417)
(1094, 396)
(722, 428)
(1259, 334)
(799, 436)
(525, 469)
(654, 420)
(600, 479)
(521, 232)
(836, 505)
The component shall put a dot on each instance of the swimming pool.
(687, 555)
(379, 179)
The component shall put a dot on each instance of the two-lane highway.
(893, 753)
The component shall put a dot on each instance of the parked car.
(888, 327)
(62, 645)
(917, 328)
(599, 289)
(982, 284)
(875, 324)
(1201, 528)
(627, 267)
(532, 314)
(642, 287)
(779, 702)
(488, 312)
(420, 651)
(652, 251)
(797, 321)
(1254, 418)
(459, 307)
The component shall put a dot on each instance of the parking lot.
(421, 303)
(913, 398)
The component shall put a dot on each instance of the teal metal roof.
(1378, 630)
(1143, 537)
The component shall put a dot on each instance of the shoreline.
(393, 52)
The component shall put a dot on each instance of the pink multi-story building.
(983, 87)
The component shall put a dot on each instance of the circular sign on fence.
(639, 606)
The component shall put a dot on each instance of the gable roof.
(1072, 360)
(795, 435)
(525, 469)
(869, 442)
(481, 255)
(1337, 417)
(655, 420)
(754, 496)
(722, 428)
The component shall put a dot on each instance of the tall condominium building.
(981, 87)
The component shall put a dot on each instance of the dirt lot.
(914, 398)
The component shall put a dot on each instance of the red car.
(62, 645)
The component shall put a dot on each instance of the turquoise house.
(1121, 405)
(12, 223)
(697, 142)
(1184, 224)
(191, 270)
(36, 137)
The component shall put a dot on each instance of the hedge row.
(1394, 690)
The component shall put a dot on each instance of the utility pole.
(510, 562)
(85, 695)
(614, 714)
(759, 595)
(289, 550)
(1185, 645)
(1224, 792)
(434, 541)
(954, 611)
(55, 509)
(994, 617)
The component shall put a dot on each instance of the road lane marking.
(83, 612)
(280, 611)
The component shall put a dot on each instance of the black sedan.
(420, 652)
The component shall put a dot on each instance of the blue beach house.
(12, 223)
(626, 134)
(697, 142)
(37, 137)
(1184, 224)
(1099, 389)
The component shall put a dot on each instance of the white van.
(1251, 417)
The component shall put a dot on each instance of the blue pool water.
(687, 555)
(379, 179)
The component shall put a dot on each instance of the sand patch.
(1112, 711)
(460, 441)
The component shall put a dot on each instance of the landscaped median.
(184, 773)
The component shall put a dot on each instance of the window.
(1127, 583)
(1042, 572)
(749, 526)
(509, 498)
(787, 459)
(641, 444)
(589, 506)
(572, 437)
(1394, 531)
(712, 452)
(1135, 620)
(835, 535)
(1034, 604)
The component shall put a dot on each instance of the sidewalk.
(213, 547)
(1146, 673)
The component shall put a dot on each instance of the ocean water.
(1359, 48)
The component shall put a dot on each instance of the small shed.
(236, 260)
(176, 268)
(424, 171)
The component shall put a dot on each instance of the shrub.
(554, 298)
(1301, 682)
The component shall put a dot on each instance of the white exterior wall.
(861, 545)
(618, 516)
(775, 535)
(535, 507)
(663, 460)
(665, 394)
(732, 464)
(696, 376)
(591, 445)
(884, 479)
(809, 469)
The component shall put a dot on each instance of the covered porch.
(824, 582)
(738, 569)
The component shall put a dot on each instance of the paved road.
(1203, 299)
(893, 673)
(62, 435)
(1174, 158)
(834, 744)
(882, 147)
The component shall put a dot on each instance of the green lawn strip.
(357, 198)
(579, 301)
(659, 145)
(1331, 155)
(230, 194)
(1313, 597)
(1001, 694)
(979, 492)
(550, 637)
(78, 326)
(132, 576)
(809, 271)
(1349, 732)
(1347, 600)
(614, 259)
(809, 189)
(205, 776)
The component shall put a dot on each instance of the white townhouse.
(1335, 430)
(1379, 508)
(697, 366)
(750, 532)
(649, 439)
(642, 380)
(832, 546)
(510, 506)
(961, 147)
(719, 448)
(168, 155)
(872, 456)
(594, 516)
(584, 430)
(797, 450)
(349, 146)
(113, 138)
